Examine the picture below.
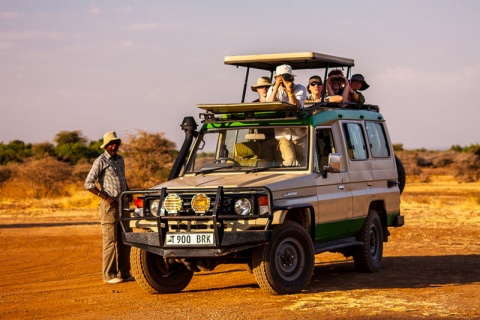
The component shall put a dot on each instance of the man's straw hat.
(109, 137)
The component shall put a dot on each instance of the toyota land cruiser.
(231, 198)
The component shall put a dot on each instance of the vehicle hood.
(274, 181)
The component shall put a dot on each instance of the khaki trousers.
(116, 255)
(291, 151)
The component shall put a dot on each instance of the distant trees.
(148, 158)
(14, 151)
(463, 163)
(71, 147)
(44, 169)
(41, 178)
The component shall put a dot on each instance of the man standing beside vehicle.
(108, 170)
(285, 90)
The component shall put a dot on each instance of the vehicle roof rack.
(258, 111)
(297, 60)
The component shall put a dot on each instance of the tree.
(148, 158)
(67, 137)
(72, 152)
(72, 146)
(43, 149)
(15, 151)
(41, 178)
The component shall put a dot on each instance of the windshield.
(250, 149)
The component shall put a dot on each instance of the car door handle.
(370, 183)
(341, 187)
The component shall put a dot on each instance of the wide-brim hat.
(109, 137)
(261, 82)
(284, 68)
(359, 77)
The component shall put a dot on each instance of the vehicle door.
(359, 168)
(383, 165)
(333, 191)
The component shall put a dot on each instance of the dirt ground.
(50, 269)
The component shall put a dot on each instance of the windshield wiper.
(210, 170)
(259, 169)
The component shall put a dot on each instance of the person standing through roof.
(262, 86)
(285, 89)
(357, 84)
(337, 85)
(108, 170)
(315, 88)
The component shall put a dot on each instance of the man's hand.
(278, 80)
(111, 201)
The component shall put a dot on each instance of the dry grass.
(78, 201)
(442, 191)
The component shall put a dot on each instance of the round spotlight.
(243, 207)
(173, 203)
(200, 203)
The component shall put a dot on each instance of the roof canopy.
(297, 60)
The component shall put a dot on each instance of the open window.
(325, 146)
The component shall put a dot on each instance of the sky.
(123, 65)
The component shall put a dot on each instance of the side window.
(378, 141)
(325, 146)
(356, 147)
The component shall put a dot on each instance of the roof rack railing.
(250, 112)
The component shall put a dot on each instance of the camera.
(337, 79)
(287, 77)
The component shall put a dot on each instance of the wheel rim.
(289, 258)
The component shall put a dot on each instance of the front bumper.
(228, 243)
(230, 233)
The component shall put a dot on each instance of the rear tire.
(284, 265)
(154, 275)
(368, 257)
(402, 176)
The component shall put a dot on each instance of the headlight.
(243, 207)
(200, 203)
(173, 203)
(154, 207)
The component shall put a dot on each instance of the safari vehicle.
(231, 198)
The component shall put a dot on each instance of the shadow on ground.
(398, 272)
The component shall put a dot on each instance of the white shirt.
(299, 91)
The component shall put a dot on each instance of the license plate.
(189, 238)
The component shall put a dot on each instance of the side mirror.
(334, 164)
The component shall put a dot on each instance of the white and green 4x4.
(231, 198)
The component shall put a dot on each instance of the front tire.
(284, 265)
(368, 257)
(155, 275)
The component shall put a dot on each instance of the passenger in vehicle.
(284, 88)
(337, 84)
(262, 86)
(315, 88)
(291, 142)
(357, 83)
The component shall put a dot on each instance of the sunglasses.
(313, 84)
(263, 87)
